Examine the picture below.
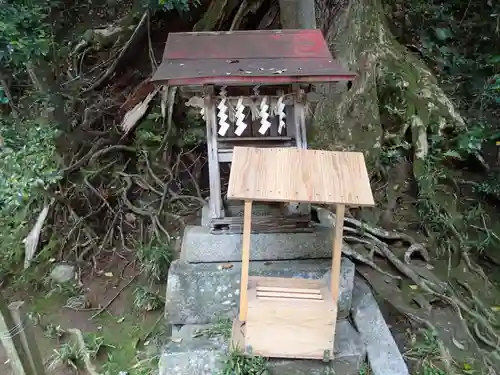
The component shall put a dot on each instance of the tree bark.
(393, 94)
(394, 100)
(297, 14)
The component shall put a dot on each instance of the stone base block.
(201, 246)
(202, 293)
(188, 355)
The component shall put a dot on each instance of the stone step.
(200, 246)
(202, 293)
(384, 357)
(201, 355)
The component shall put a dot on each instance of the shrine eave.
(248, 57)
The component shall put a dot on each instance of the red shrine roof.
(248, 57)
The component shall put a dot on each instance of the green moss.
(348, 121)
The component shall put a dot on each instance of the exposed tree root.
(445, 353)
(478, 319)
(99, 212)
(89, 366)
(139, 29)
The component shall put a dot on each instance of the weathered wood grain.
(295, 175)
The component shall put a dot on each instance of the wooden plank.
(227, 147)
(269, 220)
(284, 282)
(337, 251)
(245, 260)
(238, 229)
(294, 175)
(19, 315)
(287, 329)
(215, 202)
(296, 296)
(248, 91)
(281, 289)
(289, 299)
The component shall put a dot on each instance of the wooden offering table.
(289, 317)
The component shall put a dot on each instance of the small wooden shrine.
(290, 317)
(251, 88)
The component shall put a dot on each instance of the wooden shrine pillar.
(215, 200)
(299, 314)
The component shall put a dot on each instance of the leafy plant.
(12, 228)
(238, 364)
(490, 186)
(145, 299)
(94, 344)
(65, 290)
(28, 161)
(492, 88)
(222, 327)
(68, 354)
(28, 167)
(146, 364)
(53, 331)
(365, 370)
(24, 30)
(181, 6)
(155, 260)
(425, 350)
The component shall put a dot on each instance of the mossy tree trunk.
(394, 93)
(395, 100)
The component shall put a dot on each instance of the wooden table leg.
(337, 251)
(245, 260)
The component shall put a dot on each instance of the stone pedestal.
(203, 287)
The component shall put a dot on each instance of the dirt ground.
(107, 285)
(122, 327)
